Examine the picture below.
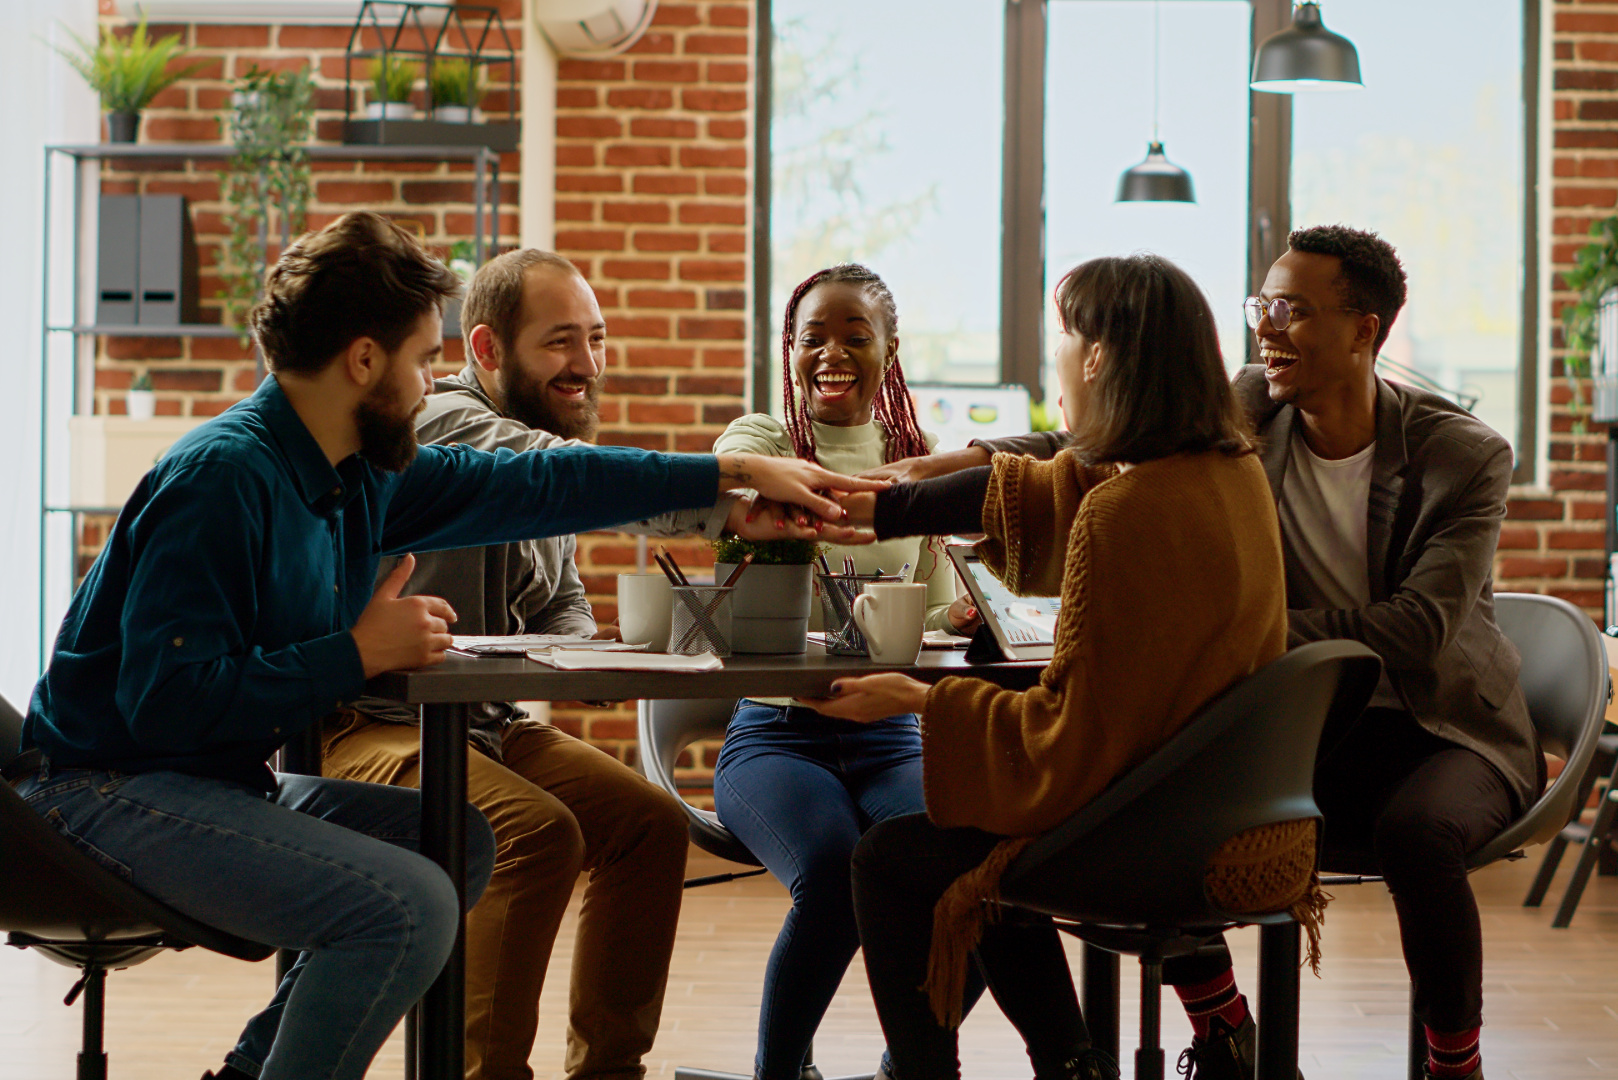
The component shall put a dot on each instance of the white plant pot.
(453, 114)
(390, 110)
(140, 404)
(244, 100)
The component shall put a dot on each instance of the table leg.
(1279, 952)
(442, 1024)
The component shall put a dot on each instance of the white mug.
(890, 615)
(645, 610)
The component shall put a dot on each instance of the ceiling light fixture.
(1306, 57)
(1157, 179)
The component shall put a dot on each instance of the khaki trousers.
(557, 806)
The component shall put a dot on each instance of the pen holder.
(701, 620)
(837, 593)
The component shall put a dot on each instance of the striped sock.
(1216, 997)
(1453, 1055)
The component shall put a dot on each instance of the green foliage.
(1595, 270)
(143, 381)
(454, 81)
(128, 72)
(392, 78)
(1043, 416)
(267, 176)
(731, 549)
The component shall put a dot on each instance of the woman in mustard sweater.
(1158, 531)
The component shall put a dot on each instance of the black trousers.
(901, 867)
(1418, 804)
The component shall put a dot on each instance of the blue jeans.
(799, 789)
(327, 867)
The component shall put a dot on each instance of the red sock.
(1453, 1055)
(1217, 997)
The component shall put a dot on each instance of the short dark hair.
(360, 276)
(1370, 278)
(1162, 387)
(494, 298)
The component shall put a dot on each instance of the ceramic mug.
(645, 610)
(890, 615)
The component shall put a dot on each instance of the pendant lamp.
(1157, 179)
(1306, 57)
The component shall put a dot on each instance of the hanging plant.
(268, 177)
(1595, 270)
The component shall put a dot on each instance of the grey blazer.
(1438, 495)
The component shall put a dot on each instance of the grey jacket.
(530, 587)
(1438, 494)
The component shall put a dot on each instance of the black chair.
(666, 728)
(1564, 679)
(1126, 872)
(79, 914)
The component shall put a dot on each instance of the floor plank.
(1552, 997)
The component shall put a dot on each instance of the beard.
(525, 402)
(387, 437)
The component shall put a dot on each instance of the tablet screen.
(1025, 620)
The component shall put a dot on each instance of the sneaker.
(1088, 1064)
(1226, 1053)
(1475, 1074)
(809, 1072)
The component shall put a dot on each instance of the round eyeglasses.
(1279, 311)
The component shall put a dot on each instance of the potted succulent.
(454, 88)
(770, 607)
(128, 72)
(140, 400)
(392, 79)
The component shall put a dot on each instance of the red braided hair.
(892, 407)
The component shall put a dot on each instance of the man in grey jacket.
(1390, 501)
(536, 343)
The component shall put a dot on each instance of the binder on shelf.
(167, 262)
(117, 259)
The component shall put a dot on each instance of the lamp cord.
(1157, 8)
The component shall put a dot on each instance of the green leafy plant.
(1043, 416)
(392, 78)
(455, 81)
(143, 381)
(1595, 270)
(268, 176)
(128, 72)
(731, 550)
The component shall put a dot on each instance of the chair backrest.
(1137, 852)
(1564, 679)
(667, 727)
(56, 892)
(10, 731)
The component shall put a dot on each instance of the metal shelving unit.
(486, 230)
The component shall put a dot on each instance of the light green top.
(851, 450)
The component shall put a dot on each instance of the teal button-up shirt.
(215, 624)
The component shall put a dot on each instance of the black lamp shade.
(1305, 57)
(1157, 179)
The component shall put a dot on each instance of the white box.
(111, 453)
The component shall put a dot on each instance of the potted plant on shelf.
(140, 400)
(128, 71)
(770, 608)
(1594, 274)
(454, 87)
(392, 79)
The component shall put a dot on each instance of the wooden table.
(446, 692)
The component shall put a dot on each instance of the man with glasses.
(1390, 501)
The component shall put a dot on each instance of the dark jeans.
(901, 868)
(1418, 804)
(799, 789)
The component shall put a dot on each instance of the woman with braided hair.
(799, 788)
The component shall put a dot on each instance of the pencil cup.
(837, 593)
(701, 620)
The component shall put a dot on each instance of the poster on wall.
(959, 414)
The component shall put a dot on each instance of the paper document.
(520, 644)
(596, 660)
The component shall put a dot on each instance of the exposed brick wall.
(652, 203)
(1553, 540)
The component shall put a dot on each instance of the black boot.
(1475, 1074)
(1087, 1064)
(1225, 1053)
(227, 1072)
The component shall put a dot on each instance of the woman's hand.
(860, 507)
(871, 697)
(963, 616)
(909, 470)
(758, 518)
(791, 481)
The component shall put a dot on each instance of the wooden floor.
(1552, 997)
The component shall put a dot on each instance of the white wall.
(46, 102)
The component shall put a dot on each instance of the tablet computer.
(1023, 626)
